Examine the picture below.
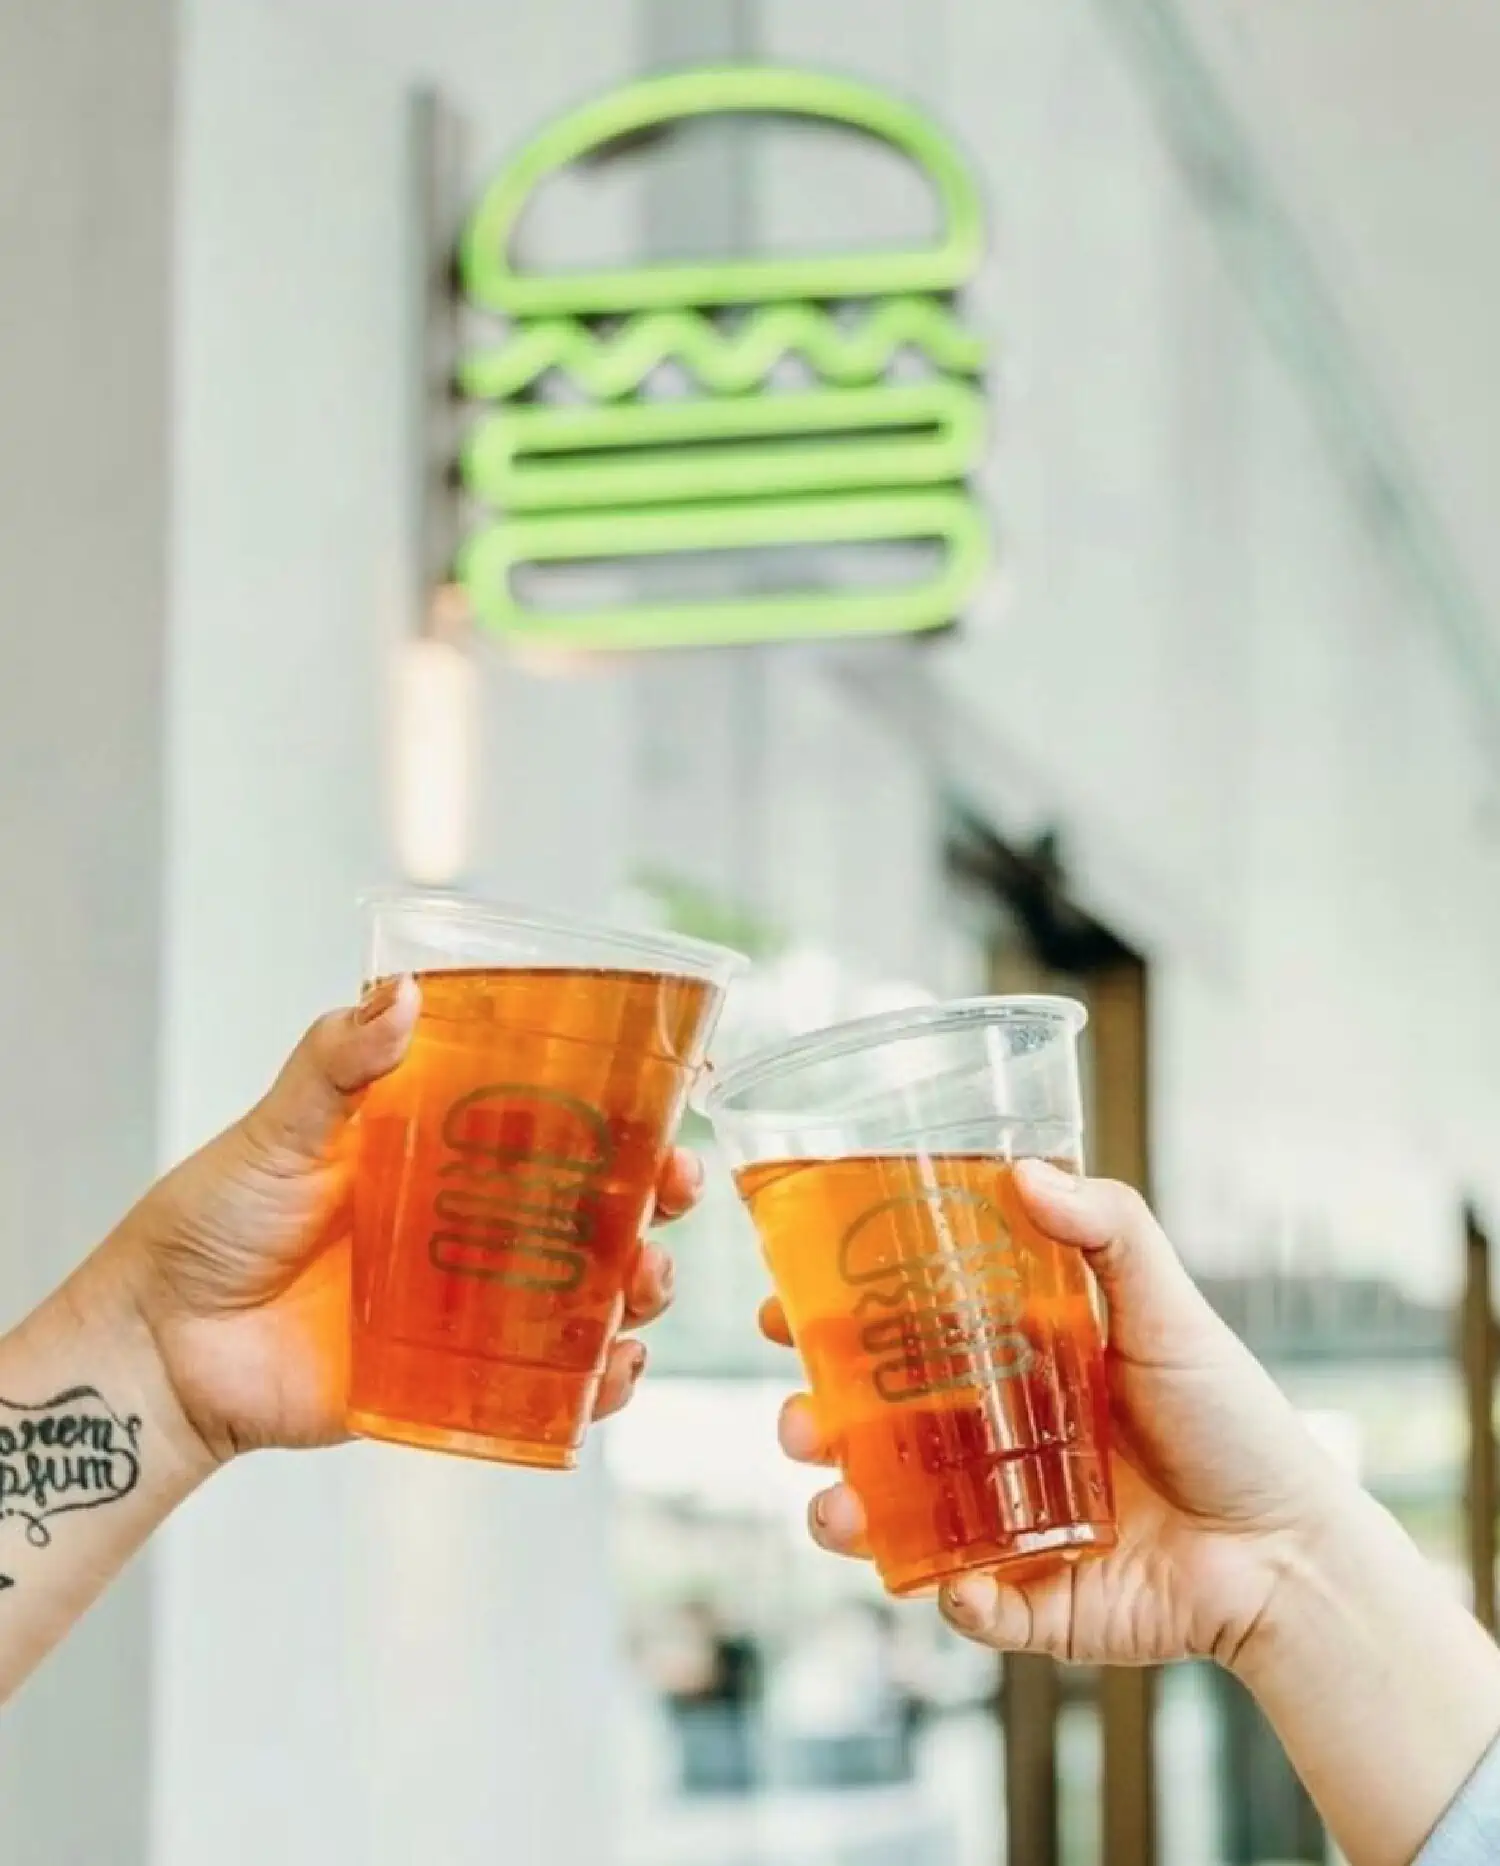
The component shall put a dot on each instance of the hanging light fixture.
(435, 748)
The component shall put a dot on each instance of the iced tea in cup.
(506, 1168)
(954, 1352)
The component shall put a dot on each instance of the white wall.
(285, 525)
(366, 1657)
(1378, 126)
(85, 227)
(1199, 656)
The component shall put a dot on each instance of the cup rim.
(836, 1040)
(707, 958)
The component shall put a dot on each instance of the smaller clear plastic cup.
(954, 1351)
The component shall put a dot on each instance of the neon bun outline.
(492, 283)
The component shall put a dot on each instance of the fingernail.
(377, 999)
(964, 1604)
(1042, 1176)
(667, 1278)
(637, 1362)
(695, 1172)
(820, 1509)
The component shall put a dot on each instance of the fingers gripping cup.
(506, 1168)
(954, 1352)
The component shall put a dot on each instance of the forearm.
(94, 1454)
(1384, 1691)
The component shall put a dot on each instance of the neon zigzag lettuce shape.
(494, 281)
(727, 361)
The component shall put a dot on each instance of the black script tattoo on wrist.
(71, 1452)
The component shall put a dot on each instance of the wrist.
(1271, 1646)
(94, 1455)
(1380, 1683)
(106, 1308)
(1302, 1569)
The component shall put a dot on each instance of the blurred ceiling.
(1377, 122)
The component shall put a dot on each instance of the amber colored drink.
(955, 1356)
(505, 1171)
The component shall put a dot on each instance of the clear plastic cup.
(954, 1352)
(507, 1166)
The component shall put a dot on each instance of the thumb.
(1036, 1618)
(341, 1055)
(1154, 1305)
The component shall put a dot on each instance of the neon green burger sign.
(857, 455)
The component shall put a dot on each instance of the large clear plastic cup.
(954, 1352)
(507, 1166)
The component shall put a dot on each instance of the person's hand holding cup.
(1218, 1489)
(954, 1349)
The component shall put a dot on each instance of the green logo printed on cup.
(852, 458)
(941, 1291)
(523, 1165)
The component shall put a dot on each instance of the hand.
(1217, 1483)
(239, 1259)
